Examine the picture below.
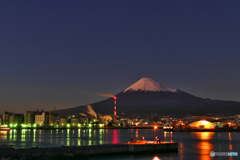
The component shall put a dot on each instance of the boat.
(167, 127)
(4, 128)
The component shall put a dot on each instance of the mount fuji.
(146, 95)
(148, 84)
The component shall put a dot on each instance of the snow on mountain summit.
(148, 84)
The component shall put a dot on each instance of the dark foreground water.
(192, 146)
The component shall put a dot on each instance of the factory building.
(63, 122)
(6, 117)
(74, 122)
(41, 119)
(53, 118)
(12, 119)
(29, 117)
(16, 120)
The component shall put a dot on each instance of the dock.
(85, 151)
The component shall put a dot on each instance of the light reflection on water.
(204, 146)
(195, 145)
(3, 134)
(115, 136)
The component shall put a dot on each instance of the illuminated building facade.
(202, 124)
(63, 122)
(74, 122)
(41, 119)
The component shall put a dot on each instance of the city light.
(154, 128)
(23, 125)
(155, 158)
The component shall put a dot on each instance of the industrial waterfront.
(191, 145)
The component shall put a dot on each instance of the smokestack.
(115, 109)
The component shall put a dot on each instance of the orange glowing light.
(205, 135)
(3, 134)
(204, 149)
(202, 124)
(181, 145)
(204, 146)
(155, 127)
(155, 158)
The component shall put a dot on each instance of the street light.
(155, 127)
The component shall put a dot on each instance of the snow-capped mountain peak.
(148, 84)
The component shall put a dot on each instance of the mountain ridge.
(172, 101)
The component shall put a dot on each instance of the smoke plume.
(82, 114)
(107, 95)
(91, 111)
(105, 117)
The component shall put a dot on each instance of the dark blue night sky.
(55, 53)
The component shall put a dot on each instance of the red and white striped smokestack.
(115, 109)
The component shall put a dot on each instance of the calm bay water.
(195, 145)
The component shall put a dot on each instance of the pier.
(85, 151)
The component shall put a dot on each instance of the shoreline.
(86, 151)
(174, 130)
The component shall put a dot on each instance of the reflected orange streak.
(3, 134)
(205, 135)
(230, 147)
(204, 146)
(229, 135)
(181, 151)
(181, 145)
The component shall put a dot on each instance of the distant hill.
(146, 95)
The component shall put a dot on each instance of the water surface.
(192, 146)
